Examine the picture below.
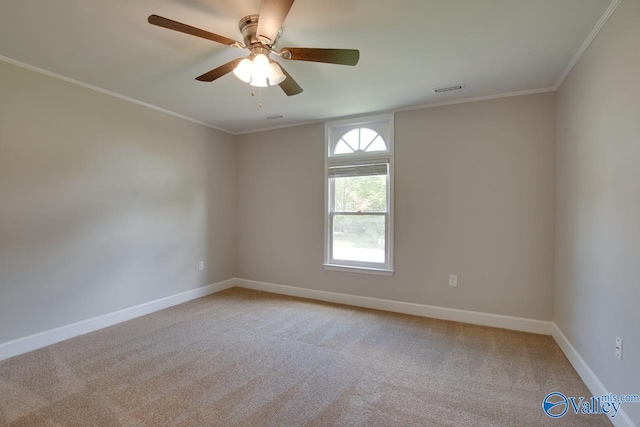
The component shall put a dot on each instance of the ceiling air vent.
(448, 88)
(275, 117)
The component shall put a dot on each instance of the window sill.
(365, 270)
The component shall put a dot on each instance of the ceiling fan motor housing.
(249, 28)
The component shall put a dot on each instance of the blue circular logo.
(555, 404)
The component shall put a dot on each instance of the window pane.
(366, 136)
(352, 138)
(377, 145)
(359, 238)
(342, 148)
(361, 193)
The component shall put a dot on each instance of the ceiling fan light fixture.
(276, 76)
(260, 71)
(261, 64)
(259, 81)
(244, 70)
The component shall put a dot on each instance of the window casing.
(359, 195)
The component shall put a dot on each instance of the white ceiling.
(407, 47)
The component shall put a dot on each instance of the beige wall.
(104, 204)
(598, 204)
(474, 196)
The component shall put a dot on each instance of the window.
(359, 195)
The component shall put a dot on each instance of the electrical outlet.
(619, 348)
(453, 280)
(201, 265)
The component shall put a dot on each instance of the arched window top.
(360, 140)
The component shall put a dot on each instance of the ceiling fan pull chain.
(253, 93)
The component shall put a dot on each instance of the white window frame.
(384, 126)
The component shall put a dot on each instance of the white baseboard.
(33, 342)
(464, 316)
(590, 379)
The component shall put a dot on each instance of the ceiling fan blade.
(331, 56)
(188, 29)
(288, 85)
(272, 15)
(219, 72)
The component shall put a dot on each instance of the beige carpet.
(247, 358)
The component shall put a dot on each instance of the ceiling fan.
(261, 33)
